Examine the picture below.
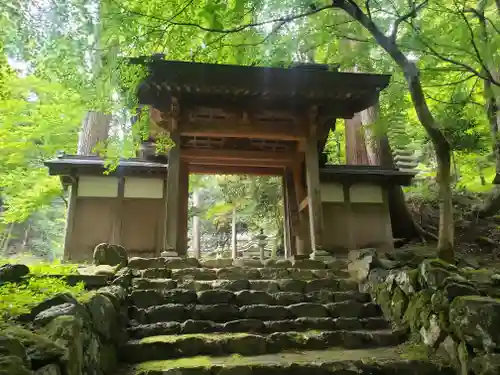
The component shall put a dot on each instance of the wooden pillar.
(182, 214)
(313, 187)
(172, 200)
(287, 236)
(303, 241)
(70, 221)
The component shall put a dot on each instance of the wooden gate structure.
(227, 119)
(253, 120)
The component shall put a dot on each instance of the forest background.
(64, 70)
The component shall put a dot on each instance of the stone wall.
(65, 336)
(454, 311)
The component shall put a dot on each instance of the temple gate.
(264, 121)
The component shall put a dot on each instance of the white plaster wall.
(366, 193)
(332, 192)
(97, 186)
(137, 187)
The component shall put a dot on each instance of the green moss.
(419, 310)
(204, 336)
(18, 299)
(383, 299)
(174, 363)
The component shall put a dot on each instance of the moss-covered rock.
(73, 309)
(12, 273)
(432, 334)
(40, 350)
(476, 320)
(398, 305)
(419, 310)
(488, 364)
(104, 317)
(52, 369)
(407, 280)
(66, 331)
(433, 273)
(110, 255)
(10, 346)
(12, 365)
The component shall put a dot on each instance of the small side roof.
(77, 165)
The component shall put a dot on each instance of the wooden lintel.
(241, 128)
(232, 169)
(274, 158)
(303, 205)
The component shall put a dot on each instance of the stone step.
(144, 298)
(335, 361)
(271, 286)
(257, 326)
(239, 273)
(156, 348)
(180, 263)
(221, 313)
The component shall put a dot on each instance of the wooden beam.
(239, 128)
(313, 185)
(202, 156)
(291, 212)
(234, 169)
(304, 204)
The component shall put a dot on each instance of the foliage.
(17, 299)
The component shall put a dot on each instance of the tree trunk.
(492, 203)
(356, 152)
(94, 133)
(441, 145)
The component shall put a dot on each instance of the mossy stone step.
(177, 346)
(241, 273)
(335, 361)
(144, 298)
(182, 263)
(219, 313)
(271, 286)
(257, 326)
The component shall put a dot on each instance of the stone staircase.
(299, 317)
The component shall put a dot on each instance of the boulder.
(67, 331)
(433, 273)
(270, 286)
(73, 309)
(361, 262)
(105, 270)
(13, 273)
(190, 273)
(244, 262)
(51, 369)
(124, 277)
(40, 350)
(104, 317)
(488, 364)
(476, 320)
(309, 264)
(184, 297)
(290, 285)
(238, 273)
(10, 346)
(147, 298)
(431, 333)
(274, 273)
(58, 299)
(110, 255)
(12, 365)
(197, 326)
(277, 263)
